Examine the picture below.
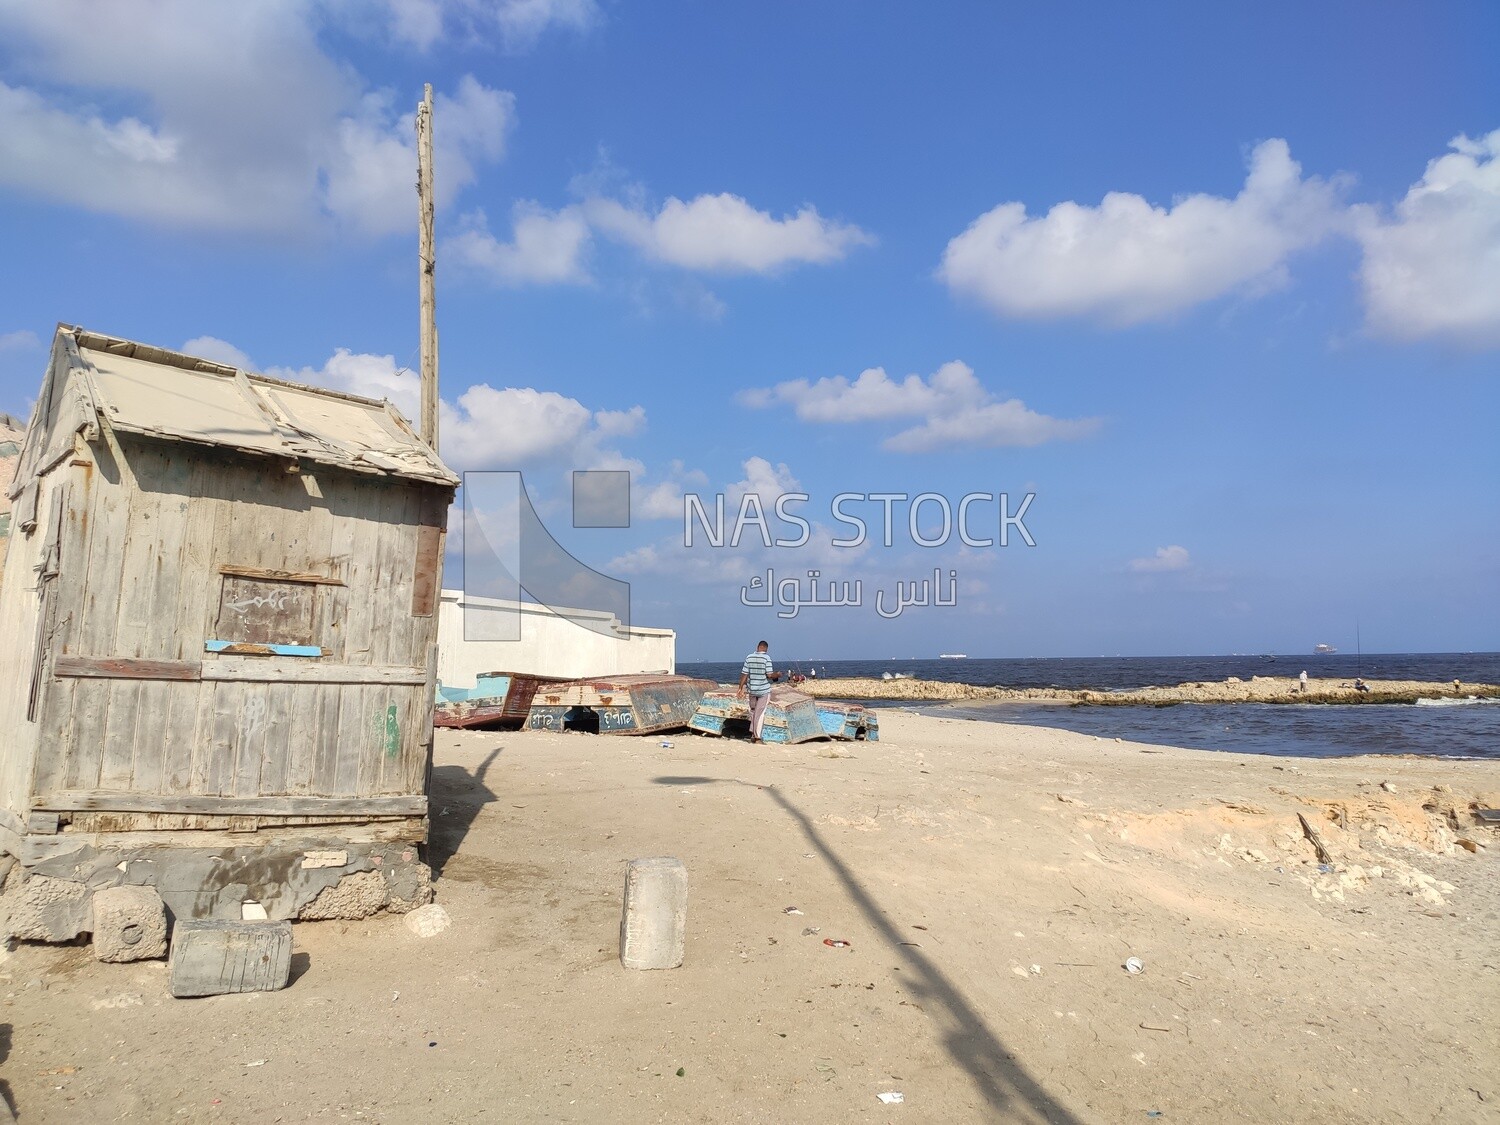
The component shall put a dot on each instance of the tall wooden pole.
(428, 262)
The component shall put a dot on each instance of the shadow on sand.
(1003, 1082)
(455, 797)
(5, 1092)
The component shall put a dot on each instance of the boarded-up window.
(265, 611)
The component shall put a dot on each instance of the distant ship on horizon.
(1324, 650)
(953, 656)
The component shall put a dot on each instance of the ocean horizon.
(1127, 673)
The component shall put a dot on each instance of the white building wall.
(551, 645)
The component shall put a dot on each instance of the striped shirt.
(757, 668)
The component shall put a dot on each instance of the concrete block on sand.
(130, 924)
(653, 927)
(428, 921)
(47, 909)
(212, 957)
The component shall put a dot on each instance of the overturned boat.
(637, 704)
(851, 721)
(790, 715)
(497, 701)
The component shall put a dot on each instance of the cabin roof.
(165, 395)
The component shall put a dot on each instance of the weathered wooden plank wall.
(19, 619)
(154, 525)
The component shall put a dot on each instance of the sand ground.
(991, 881)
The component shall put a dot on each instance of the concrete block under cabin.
(213, 958)
(40, 908)
(224, 590)
(130, 924)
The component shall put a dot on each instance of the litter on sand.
(836, 943)
(791, 910)
(892, 1097)
(1134, 965)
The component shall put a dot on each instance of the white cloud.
(521, 22)
(1165, 559)
(370, 176)
(955, 408)
(358, 373)
(418, 22)
(712, 234)
(220, 351)
(700, 300)
(21, 340)
(514, 427)
(218, 117)
(515, 25)
(662, 500)
(767, 481)
(876, 395)
(1433, 269)
(546, 248)
(1126, 261)
(996, 424)
(723, 233)
(702, 563)
(484, 427)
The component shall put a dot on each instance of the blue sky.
(1219, 284)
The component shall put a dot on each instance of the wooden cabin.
(218, 636)
(11, 437)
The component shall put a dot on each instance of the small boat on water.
(498, 700)
(635, 704)
(790, 716)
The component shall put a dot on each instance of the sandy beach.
(991, 881)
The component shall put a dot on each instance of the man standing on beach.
(755, 677)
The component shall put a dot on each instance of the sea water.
(1456, 729)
